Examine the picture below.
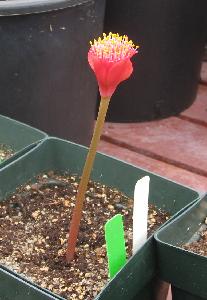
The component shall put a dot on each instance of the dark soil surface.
(199, 246)
(5, 152)
(34, 226)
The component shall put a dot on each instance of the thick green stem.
(75, 222)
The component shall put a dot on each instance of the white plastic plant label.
(140, 212)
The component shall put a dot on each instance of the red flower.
(109, 58)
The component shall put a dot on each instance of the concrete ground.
(175, 147)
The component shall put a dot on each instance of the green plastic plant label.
(115, 244)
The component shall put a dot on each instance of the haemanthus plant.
(110, 59)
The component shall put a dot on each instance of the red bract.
(109, 58)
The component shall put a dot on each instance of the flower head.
(109, 58)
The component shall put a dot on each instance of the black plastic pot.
(179, 294)
(45, 79)
(171, 35)
(185, 270)
(205, 53)
(135, 280)
(19, 137)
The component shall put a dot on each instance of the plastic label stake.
(140, 213)
(115, 244)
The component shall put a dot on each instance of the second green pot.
(19, 136)
(185, 270)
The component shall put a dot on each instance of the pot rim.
(24, 7)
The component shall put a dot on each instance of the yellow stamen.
(113, 47)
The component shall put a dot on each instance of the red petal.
(119, 72)
(109, 74)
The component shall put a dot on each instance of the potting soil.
(34, 225)
(5, 152)
(199, 246)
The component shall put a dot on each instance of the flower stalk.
(75, 222)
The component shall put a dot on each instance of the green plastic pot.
(16, 288)
(19, 136)
(135, 280)
(185, 270)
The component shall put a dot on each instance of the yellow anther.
(113, 46)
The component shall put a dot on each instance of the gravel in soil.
(199, 246)
(5, 152)
(34, 226)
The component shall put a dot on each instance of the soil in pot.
(199, 245)
(5, 152)
(34, 226)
